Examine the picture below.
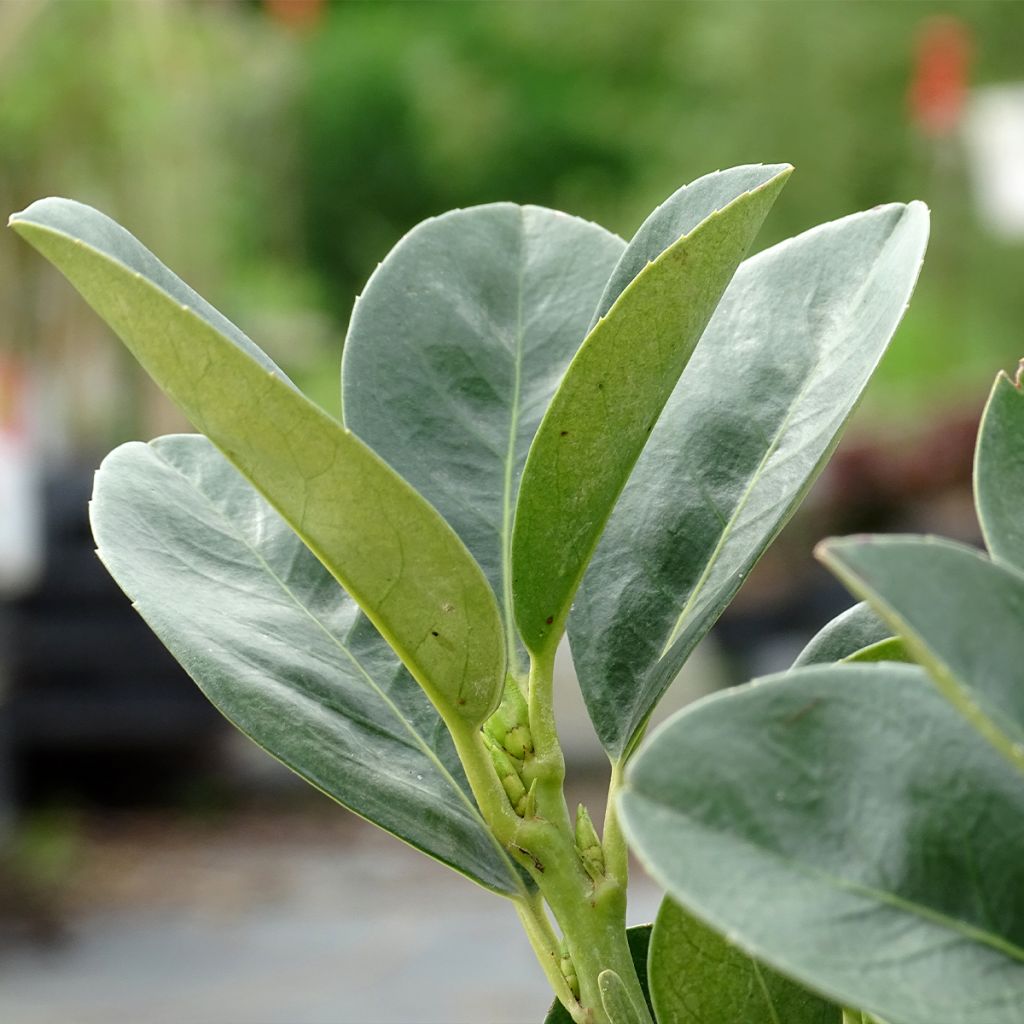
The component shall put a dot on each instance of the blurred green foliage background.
(273, 152)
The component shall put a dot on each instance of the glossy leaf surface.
(639, 939)
(845, 825)
(753, 420)
(454, 350)
(392, 552)
(856, 628)
(697, 977)
(999, 471)
(607, 404)
(281, 650)
(959, 614)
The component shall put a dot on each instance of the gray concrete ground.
(276, 920)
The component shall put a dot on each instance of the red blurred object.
(941, 70)
(297, 14)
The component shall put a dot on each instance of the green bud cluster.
(510, 771)
(509, 726)
(565, 965)
(507, 735)
(588, 845)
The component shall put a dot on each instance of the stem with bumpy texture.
(591, 915)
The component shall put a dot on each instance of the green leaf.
(960, 615)
(844, 825)
(391, 551)
(891, 649)
(281, 650)
(698, 977)
(999, 471)
(616, 1000)
(639, 939)
(856, 628)
(609, 400)
(453, 353)
(755, 417)
(676, 217)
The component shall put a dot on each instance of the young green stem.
(534, 920)
(616, 853)
(591, 913)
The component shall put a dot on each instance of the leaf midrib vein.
(510, 455)
(936, 917)
(852, 305)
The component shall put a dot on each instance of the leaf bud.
(588, 845)
(568, 969)
(507, 774)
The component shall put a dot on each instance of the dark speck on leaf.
(564, 433)
(434, 632)
(550, 619)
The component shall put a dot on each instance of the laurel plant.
(546, 430)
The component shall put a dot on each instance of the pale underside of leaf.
(381, 540)
(281, 650)
(607, 404)
(453, 353)
(754, 418)
(843, 824)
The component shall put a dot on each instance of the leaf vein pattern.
(418, 740)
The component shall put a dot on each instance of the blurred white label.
(994, 133)
(21, 513)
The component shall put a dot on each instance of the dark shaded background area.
(272, 153)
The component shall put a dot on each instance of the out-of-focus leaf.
(999, 471)
(856, 628)
(846, 826)
(960, 615)
(892, 649)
